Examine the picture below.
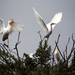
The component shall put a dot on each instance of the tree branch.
(17, 45)
(40, 35)
(56, 44)
(73, 48)
(66, 47)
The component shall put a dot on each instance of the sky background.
(21, 12)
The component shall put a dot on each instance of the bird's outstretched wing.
(40, 21)
(2, 26)
(56, 19)
(17, 27)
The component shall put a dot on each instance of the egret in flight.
(12, 26)
(48, 28)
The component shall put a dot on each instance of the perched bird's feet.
(5, 45)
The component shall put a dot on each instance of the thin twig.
(60, 52)
(66, 52)
(56, 43)
(54, 49)
(40, 35)
(73, 48)
(17, 44)
(66, 47)
(3, 47)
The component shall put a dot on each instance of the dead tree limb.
(3, 47)
(17, 45)
(40, 35)
(73, 48)
(66, 47)
(54, 49)
(66, 52)
(56, 44)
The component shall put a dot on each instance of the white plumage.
(12, 26)
(31, 55)
(57, 55)
(2, 27)
(50, 26)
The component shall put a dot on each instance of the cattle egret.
(50, 26)
(57, 55)
(12, 26)
(31, 55)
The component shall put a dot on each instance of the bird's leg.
(8, 42)
(5, 44)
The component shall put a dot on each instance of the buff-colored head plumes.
(12, 26)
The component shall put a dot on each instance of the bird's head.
(53, 23)
(11, 22)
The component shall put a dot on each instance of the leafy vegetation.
(43, 61)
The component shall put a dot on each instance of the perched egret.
(50, 26)
(31, 55)
(12, 26)
(57, 55)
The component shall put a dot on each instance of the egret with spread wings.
(12, 26)
(48, 28)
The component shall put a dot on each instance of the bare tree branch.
(54, 49)
(66, 52)
(40, 35)
(60, 52)
(3, 47)
(66, 47)
(17, 44)
(73, 48)
(56, 44)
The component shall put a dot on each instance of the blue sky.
(21, 11)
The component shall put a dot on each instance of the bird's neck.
(10, 28)
(52, 26)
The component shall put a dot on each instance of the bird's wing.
(2, 26)
(56, 19)
(17, 27)
(40, 21)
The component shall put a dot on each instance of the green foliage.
(72, 66)
(43, 53)
(40, 64)
(29, 62)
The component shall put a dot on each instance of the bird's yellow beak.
(13, 24)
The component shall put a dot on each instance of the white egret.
(12, 26)
(31, 55)
(57, 55)
(50, 26)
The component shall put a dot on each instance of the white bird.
(31, 55)
(50, 26)
(12, 26)
(57, 55)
